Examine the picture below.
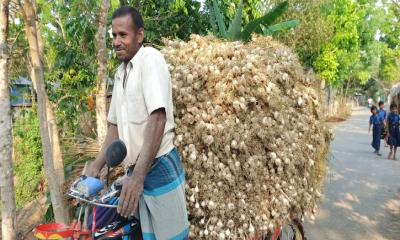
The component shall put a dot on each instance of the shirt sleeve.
(155, 82)
(112, 113)
(370, 119)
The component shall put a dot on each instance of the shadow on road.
(360, 198)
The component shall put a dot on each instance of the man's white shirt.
(147, 88)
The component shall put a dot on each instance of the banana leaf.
(265, 20)
(280, 27)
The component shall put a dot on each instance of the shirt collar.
(135, 58)
(132, 62)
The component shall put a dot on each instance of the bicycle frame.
(277, 233)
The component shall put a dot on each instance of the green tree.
(343, 50)
(52, 159)
(252, 9)
(372, 19)
(169, 18)
(389, 71)
(313, 33)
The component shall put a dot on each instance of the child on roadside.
(375, 123)
(393, 122)
(382, 116)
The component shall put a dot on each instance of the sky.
(202, 4)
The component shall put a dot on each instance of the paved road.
(362, 190)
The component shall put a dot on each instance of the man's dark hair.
(136, 17)
(380, 103)
(393, 105)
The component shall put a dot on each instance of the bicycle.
(291, 231)
(87, 190)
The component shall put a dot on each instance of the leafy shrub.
(28, 162)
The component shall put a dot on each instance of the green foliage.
(315, 30)
(327, 65)
(27, 157)
(18, 50)
(220, 21)
(171, 19)
(337, 61)
(69, 29)
(266, 20)
(236, 34)
(280, 27)
(252, 9)
(236, 24)
(391, 28)
(363, 76)
(390, 66)
(389, 69)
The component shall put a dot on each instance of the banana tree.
(263, 25)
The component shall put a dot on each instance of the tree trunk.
(346, 93)
(55, 142)
(51, 119)
(54, 137)
(59, 207)
(8, 216)
(101, 97)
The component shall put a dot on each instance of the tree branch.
(396, 3)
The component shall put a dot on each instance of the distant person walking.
(393, 122)
(375, 123)
(369, 102)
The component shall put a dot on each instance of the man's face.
(126, 39)
(381, 106)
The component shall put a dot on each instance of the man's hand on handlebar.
(132, 188)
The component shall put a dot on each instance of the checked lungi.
(162, 207)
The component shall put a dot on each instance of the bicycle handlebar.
(98, 200)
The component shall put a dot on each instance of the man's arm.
(94, 168)
(133, 185)
(152, 140)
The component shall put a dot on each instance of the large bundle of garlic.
(250, 132)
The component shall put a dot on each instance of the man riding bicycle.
(141, 114)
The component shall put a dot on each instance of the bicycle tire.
(292, 231)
